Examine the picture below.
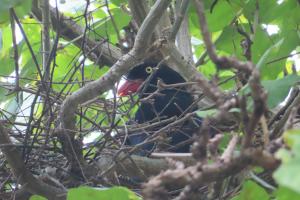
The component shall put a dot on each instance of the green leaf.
(252, 191)
(118, 2)
(37, 197)
(288, 16)
(3, 92)
(227, 80)
(229, 41)
(279, 56)
(88, 193)
(267, 11)
(99, 14)
(221, 16)
(66, 63)
(208, 69)
(1, 45)
(291, 138)
(206, 113)
(92, 72)
(6, 39)
(287, 175)
(279, 89)
(283, 193)
(262, 41)
(107, 28)
(22, 7)
(13, 106)
(266, 57)
(7, 65)
(28, 67)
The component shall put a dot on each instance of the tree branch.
(195, 176)
(23, 175)
(103, 54)
(105, 83)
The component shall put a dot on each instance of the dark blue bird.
(166, 103)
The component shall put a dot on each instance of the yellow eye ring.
(149, 69)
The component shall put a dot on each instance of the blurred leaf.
(194, 23)
(287, 175)
(292, 138)
(275, 95)
(283, 193)
(229, 41)
(279, 89)
(22, 7)
(7, 63)
(106, 28)
(6, 39)
(66, 64)
(28, 67)
(100, 14)
(267, 11)
(252, 191)
(224, 142)
(88, 193)
(206, 113)
(261, 43)
(266, 57)
(228, 83)
(208, 69)
(37, 197)
(227, 80)
(221, 16)
(118, 2)
(1, 39)
(3, 92)
(289, 43)
(13, 106)
(6, 60)
(93, 72)
(288, 16)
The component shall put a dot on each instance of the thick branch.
(211, 50)
(107, 81)
(198, 175)
(181, 28)
(191, 73)
(138, 10)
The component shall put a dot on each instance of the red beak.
(129, 87)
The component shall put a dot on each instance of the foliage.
(113, 193)
(21, 7)
(88, 193)
(290, 159)
(272, 26)
(252, 191)
(285, 175)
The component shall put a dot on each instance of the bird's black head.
(141, 71)
(136, 76)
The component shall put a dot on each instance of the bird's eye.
(149, 69)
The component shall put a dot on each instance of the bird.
(162, 103)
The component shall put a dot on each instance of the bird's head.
(135, 78)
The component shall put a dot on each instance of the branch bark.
(106, 82)
(196, 176)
